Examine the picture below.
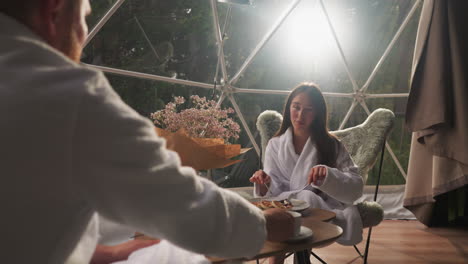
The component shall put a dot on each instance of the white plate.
(298, 205)
(304, 233)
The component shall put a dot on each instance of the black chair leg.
(317, 257)
(367, 245)
(358, 251)
(366, 252)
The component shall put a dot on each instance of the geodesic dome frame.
(226, 85)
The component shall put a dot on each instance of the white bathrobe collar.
(296, 166)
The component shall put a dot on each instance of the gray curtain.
(437, 111)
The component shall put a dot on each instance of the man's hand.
(108, 254)
(317, 175)
(279, 224)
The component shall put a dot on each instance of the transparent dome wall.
(250, 56)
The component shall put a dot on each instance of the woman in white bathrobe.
(304, 161)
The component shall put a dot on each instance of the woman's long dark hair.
(326, 143)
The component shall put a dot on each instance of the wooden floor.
(400, 241)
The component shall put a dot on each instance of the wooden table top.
(316, 214)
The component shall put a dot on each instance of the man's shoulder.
(34, 70)
(39, 63)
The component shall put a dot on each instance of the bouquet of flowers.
(204, 119)
(200, 133)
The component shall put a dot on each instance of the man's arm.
(130, 177)
(109, 254)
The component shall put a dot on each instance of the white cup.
(256, 190)
(297, 222)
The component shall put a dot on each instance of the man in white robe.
(342, 185)
(69, 147)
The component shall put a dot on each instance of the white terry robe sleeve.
(125, 172)
(343, 182)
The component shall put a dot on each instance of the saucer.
(304, 233)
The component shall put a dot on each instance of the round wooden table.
(324, 234)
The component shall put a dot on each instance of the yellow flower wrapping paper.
(201, 153)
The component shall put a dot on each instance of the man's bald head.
(61, 23)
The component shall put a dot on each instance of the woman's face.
(302, 112)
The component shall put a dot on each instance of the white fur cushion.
(364, 142)
(371, 213)
(268, 123)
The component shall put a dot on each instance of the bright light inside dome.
(307, 35)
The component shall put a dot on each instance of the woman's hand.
(260, 177)
(317, 175)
